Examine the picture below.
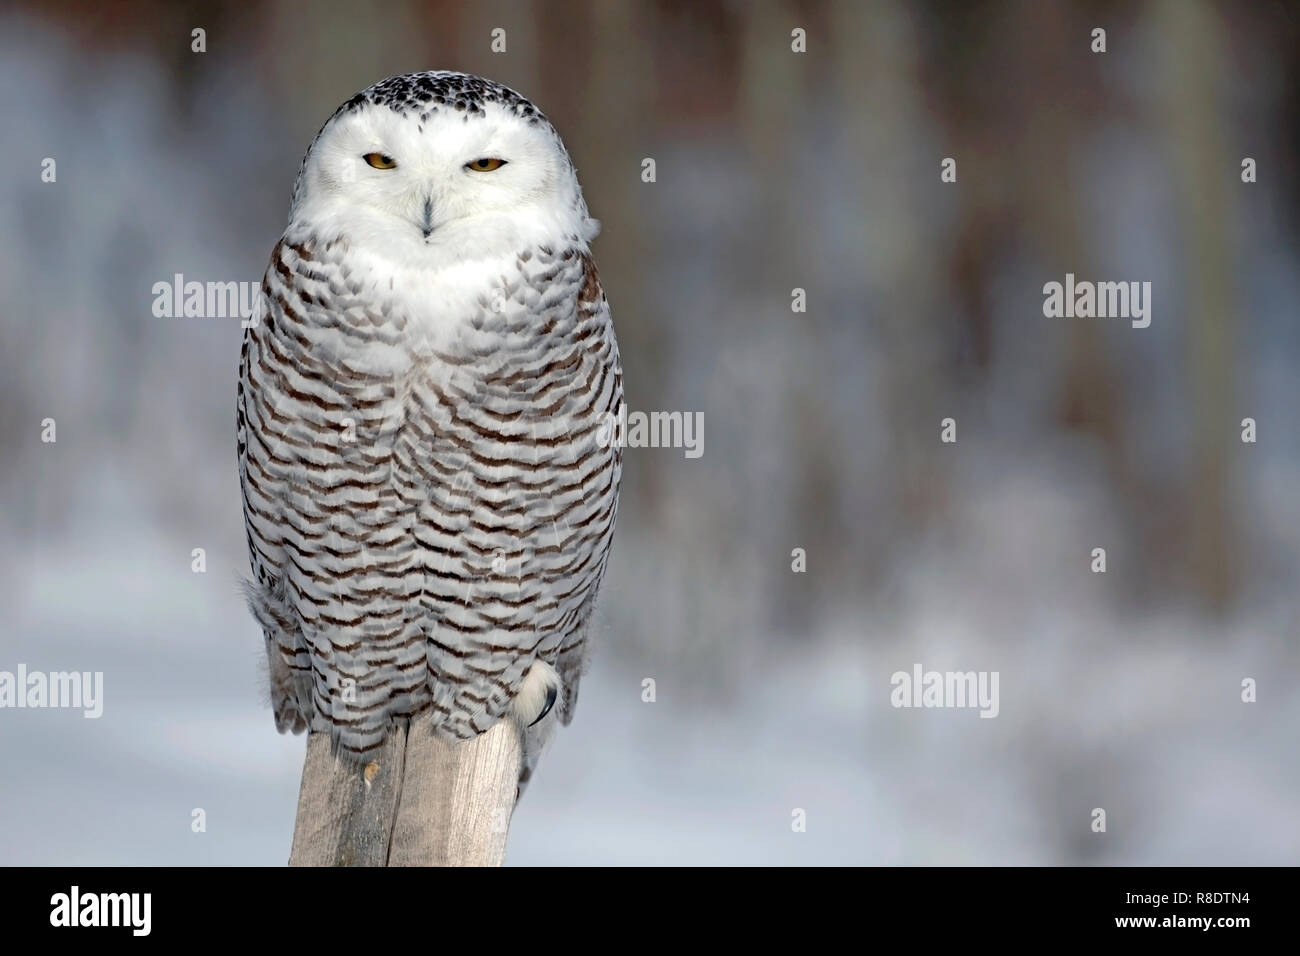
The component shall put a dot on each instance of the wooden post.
(420, 801)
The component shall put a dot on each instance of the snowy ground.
(1141, 716)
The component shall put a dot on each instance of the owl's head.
(440, 162)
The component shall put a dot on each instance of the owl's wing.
(288, 665)
(571, 660)
(519, 516)
(331, 494)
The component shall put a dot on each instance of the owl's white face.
(448, 187)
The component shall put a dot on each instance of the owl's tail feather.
(290, 696)
(290, 716)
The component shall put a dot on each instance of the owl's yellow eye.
(379, 160)
(485, 165)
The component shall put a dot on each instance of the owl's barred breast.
(428, 504)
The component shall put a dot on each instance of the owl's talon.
(551, 694)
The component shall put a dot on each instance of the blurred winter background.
(775, 170)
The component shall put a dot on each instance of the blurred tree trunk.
(770, 94)
(878, 89)
(1202, 169)
(517, 66)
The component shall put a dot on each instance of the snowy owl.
(428, 499)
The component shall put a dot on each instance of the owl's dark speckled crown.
(426, 93)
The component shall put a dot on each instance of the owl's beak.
(426, 226)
